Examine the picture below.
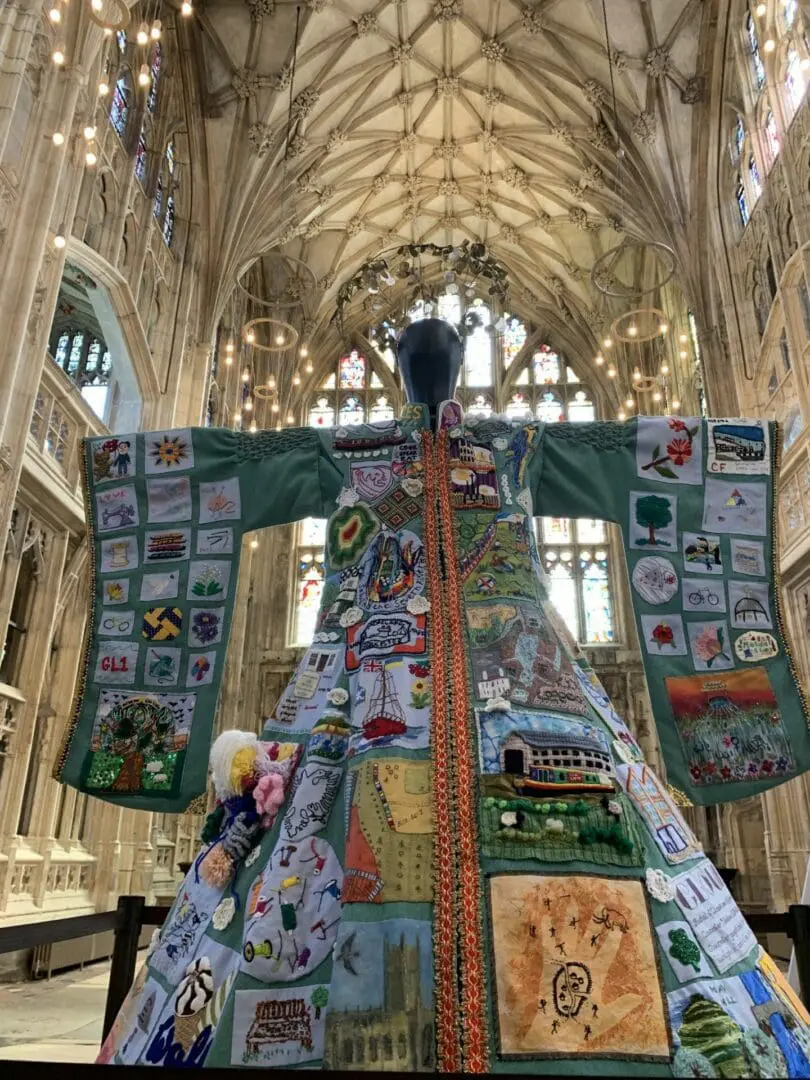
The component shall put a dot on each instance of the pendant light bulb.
(607, 343)
(254, 543)
(144, 78)
(665, 369)
(246, 375)
(761, 10)
(636, 375)
(657, 396)
(274, 407)
(228, 359)
(60, 239)
(663, 328)
(186, 9)
(290, 418)
(303, 351)
(253, 428)
(296, 379)
(58, 55)
(599, 360)
(611, 372)
(676, 405)
(229, 347)
(632, 330)
(249, 405)
(621, 415)
(97, 5)
(684, 355)
(683, 339)
(279, 339)
(107, 32)
(55, 15)
(156, 30)
(91, 157)
(309, 369)
(250, 337)
(769, 45)
(143, 34)
(58, 138)
(103, 88)
(629, 402)
(271, 382)
(89, 133)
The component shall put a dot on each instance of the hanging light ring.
(646, 321)
(274, 328)
(123, 16)
(645, 383)
(604, 279)
(264, 392)
(297, 270)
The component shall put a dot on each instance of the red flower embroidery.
(663, 635)
(695, 771)
(767, 766)
(420, 670)
(725, 772)
(677, 425)
(709, 767)
(679, 450)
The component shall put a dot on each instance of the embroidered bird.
(347, 954)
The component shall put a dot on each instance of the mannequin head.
(429, 355)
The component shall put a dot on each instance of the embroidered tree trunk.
(129, 779)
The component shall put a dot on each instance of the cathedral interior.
(222, 213)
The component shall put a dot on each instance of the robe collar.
(449, 414)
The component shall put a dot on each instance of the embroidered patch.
(116, 662)
(140, 1011)
(385, 635)
(702, 595)
(117, 508)
(755, 645)
(397, 509)
(663, 635)
(750, 605)
(702, 554)
(200, 671)
(655, 579)
(276, 1028)
(730, 727)
(369, 958)
(206, 626)
(600, 700)
(116, 623)
(162, 667)
(389, 847)
(672, 835)
(208, 580)
(160, 586)
(119, 554)
(524, 500)
(220, 500)
(653, 520)
(319, 669)
(218, 541)
(473, 479)
(518, 453)
(712, 912)
(349, 532)
(162, 623)
(372, 481)
(736, 508)
(182, 931)
(495, 559)
(368, 436)
(169, 499)
(115, 591)
(710, 645)
(738, 446)
(313, 795)
(329, 741)
(391, 704)
(113, 458)
(515, 656)
(557, 943)
(407, 460)
(172, 451)
(169, 546)
(392, 570)
(292, 912)
(669, 449)
(748, 557)
(680, 948)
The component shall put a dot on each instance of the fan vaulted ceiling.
(439, 120)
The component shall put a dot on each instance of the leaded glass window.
(141, 159)
(794, 80)
(742, 203)
(157, 56)
(754, 177)
(119, 108)
(771, 138)
(757, 67)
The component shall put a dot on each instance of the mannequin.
(429, 355)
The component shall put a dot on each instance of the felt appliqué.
(495, 561)
(558, 944)
(663, 635)
(277, 1028)
(349, 532)
(682, 951)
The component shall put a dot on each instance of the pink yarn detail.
(269, 795)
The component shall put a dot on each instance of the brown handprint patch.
(575, 968)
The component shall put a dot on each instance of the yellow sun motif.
(170, 451)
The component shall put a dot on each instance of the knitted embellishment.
(603, 434)
(261, 444)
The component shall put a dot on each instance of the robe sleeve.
(695, 501)
(166, 513)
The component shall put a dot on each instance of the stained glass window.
(556, 530)
(308, 595)
(562, 586)
(62, 347)
(580, 408)
(353, 371)
(76, 350)
(322, 413)
(757, 66)
(789, 9)
(578, 576)
(171, 160)
(158, 199)
(514, 338)
(742, 202)
(375, 382)
(168, 221)
(450, 308)
(754, 177)
(478, 349)
(739, 138)
(351, 411)
(121, 38)
(771, 138)
(550, 408)
(141, 159)
(596, 603)
(480, 406)
(794, 79)
(157, 56)
(518, 406)
(93, 359)
(546, 366)
(382, 409)
(119, 108)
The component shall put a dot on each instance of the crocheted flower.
(217, 867)
(498, 704)
(418, 605)
(412, 486)
(614, 808)
(269, 795)
(224, 913)
(351, 616)
(253, 856)
(659, 886)
(348, 497)
(205, 626)
(500, 444)
(338, 696)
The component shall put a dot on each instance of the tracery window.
(742, 202)
(772, 145)
(86, 360)
(754, 177)
(121, 99)
(154, 70)
(795, 83)
(167, 186)
(141, 158)
(757, 67)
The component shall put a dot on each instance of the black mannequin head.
(429, 355)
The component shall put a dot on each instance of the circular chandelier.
(640, 325)
(614, 273)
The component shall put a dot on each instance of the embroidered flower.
(725, 772)
(679, 450)
(351, 616)
(320, 638)
(727, 740)
(455, 433)
(412, 486)
(418, 605)
(154, 766)
(253, 856)
(224, 913)
(341, 433)
(659, 886)
(709, 645)
(509, 819)
(500, 444)
(498, 704)
(161, 778)
(695, 771)
(348, 497)
(338, 696)
(524, 499)
(420, 670)
(663, 635)
(205, 626)
(676, 424)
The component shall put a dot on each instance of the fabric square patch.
(167, 546)
(314, 790)
(653, 521)
(169, 499)
(206, 626)
(181, 933)
(712, 912)
(201, 668)
(160, 586)
(702, 554)
(162, 667)
(121, 713)
(675, 840)
(385, 635)
(730, 727)
(663, 635)
(748, 557)
(392, 571)
(279, 1028)
(655, 579)
(220, 500)
(208, 580)
(115, 591)
(116, 663)
(171, 451)
(119, 554)
(117, 508)
(754, 646)
(702, 594)
(397, 512)
(558, 942)
(391, 704)
(736, 508)
(373, 480)
(116, 623)
(738, 446)
(749, 604)
(113, 458)
(215, 541)
(162, 623)
(473, 479)
(669, 449)
(681, 950)
(710, 645)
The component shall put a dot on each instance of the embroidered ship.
(384, 716)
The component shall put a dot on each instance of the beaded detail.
(603, 434)
(261, 444)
